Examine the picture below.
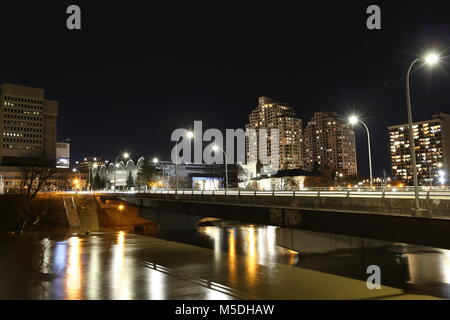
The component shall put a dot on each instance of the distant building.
(12, 180)
(329, 143)
(432, 145)
(27, 126)
(282, 180)
(63, 155)
(199, 176)
(270, 114)
(89, 163)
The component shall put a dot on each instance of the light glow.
(353, 120)
(431, 58)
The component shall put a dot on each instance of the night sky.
(135, 73)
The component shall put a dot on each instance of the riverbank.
(78, 212)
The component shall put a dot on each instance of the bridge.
(371, 213)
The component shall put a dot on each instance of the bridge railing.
(319, 192)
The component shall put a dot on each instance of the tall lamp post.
(189, 135)
(125, 156)
(354, 120)
(215, 149)
(430, 59)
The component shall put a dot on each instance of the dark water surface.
(121, 265)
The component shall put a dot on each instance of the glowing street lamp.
(353, 120)
(77, 181)
(215, 149)
(155, 160)
(430, 59)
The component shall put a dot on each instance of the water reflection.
(109, 265)
(73, 276)
(93, 291)
(252, 258)
(231, 256)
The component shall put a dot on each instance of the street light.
(77, 181)
(215, 149)
(125, 156)
(429, 59)
(76, 170)
(354, 120)
(189, 135)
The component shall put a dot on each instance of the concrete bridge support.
(169, 220)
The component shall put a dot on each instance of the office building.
(27, 126)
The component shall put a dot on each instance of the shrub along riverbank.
(18, 213)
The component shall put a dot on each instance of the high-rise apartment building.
(27, 126)
(270, 114)
(432, 146)
(329, 143)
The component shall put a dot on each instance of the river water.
(226, 261)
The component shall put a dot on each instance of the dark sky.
(137, 71)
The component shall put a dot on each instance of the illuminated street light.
(79, 173)
(355, 120)
(155, 160)
(215, 149)
(429, 59)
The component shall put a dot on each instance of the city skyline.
(224, 70)
(224, 159)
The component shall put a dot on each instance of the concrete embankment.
(114, 213)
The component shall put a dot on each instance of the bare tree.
(34, 179)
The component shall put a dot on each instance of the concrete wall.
(318, 242)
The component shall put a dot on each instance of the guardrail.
(388, 193)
